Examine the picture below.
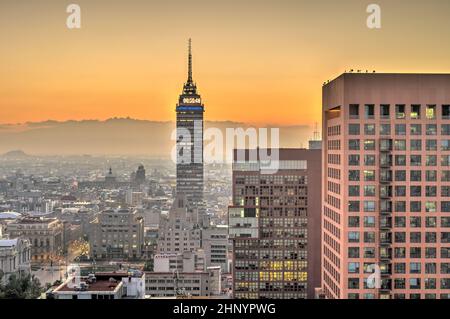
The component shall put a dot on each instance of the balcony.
(385, 238)
(386, 268)
(385, 295)
(385, 223)
(385, 207)
(385, 254)
(385, 160)
(385, 192)
(386, 145)
(385, 176)
(386, 284)
(385, 290)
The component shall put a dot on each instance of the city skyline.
(255, 149)
(127, 60)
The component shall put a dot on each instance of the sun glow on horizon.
(254, 62)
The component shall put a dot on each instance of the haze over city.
(257, 62)
(246, 150)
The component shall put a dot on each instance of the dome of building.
(9, 215)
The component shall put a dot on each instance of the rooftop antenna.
(190, 62)
(316, 134)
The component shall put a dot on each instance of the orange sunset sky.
(255, 61)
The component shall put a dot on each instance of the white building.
(215, 244)
(15, 258)
(5, 218)
(187, 284)
(121, 285)
(133, 198)
(178, 232)
(185, 262)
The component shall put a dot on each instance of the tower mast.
(190, 62)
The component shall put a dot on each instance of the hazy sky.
(257, 61)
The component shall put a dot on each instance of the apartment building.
(274, 224)
(386, 186)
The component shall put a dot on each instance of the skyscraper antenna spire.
(190, 62)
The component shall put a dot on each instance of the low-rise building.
(5, 219)
(183, 284)
(15, 258)
(120, 285)
(46, 236)
(185, 262)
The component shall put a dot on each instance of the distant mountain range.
(15, 154)
(117, 136)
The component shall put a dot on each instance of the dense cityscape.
(364, 218)
(60, 204)
(355, 206)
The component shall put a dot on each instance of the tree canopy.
(24, 287)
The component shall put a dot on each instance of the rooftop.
(282, 154)
(373, 74)
(35, 220)
(8, 242)
(97, 286)
(104, 282)
(16, 242)
(9, 215)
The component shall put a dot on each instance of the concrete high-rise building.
(274, 224)
(178, 232)
(187, 261)
(140, 175)
(215, 243)
(190, 142)
(386, 186)
(117, 234)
